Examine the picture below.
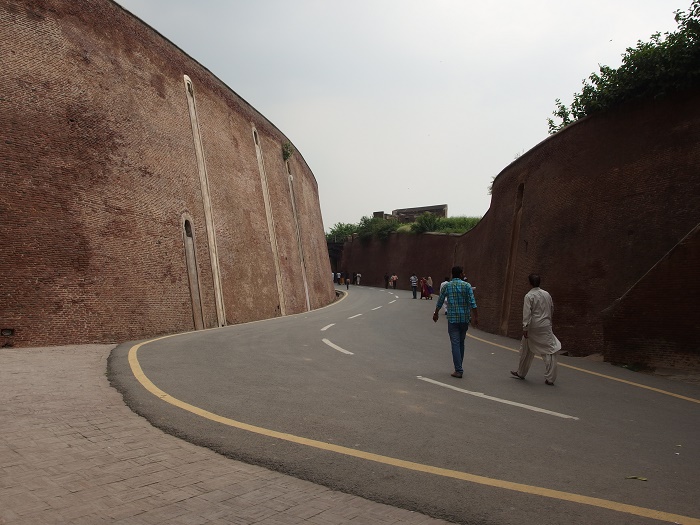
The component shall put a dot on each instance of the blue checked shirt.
(460, 298)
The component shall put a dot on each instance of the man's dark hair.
(456, 271)
(534, 279)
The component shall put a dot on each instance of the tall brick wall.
(98, 170)
(401, 254)
(591, 209)
(640, 328)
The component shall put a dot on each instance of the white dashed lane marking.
(499, 400)
(336, 347)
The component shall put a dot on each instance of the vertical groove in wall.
(510, 269)
(270, 219)
(188, 238)
(206, 200)
(302, 261)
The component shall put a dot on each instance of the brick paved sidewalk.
(72, 452)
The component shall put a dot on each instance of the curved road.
(358, 396)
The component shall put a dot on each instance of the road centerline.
(336, 347)
(327, 327)
(498, 399)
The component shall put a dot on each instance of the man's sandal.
(515, 374)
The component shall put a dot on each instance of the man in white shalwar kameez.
(538, 338)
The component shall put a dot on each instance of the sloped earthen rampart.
(141, 196)
(591, 209)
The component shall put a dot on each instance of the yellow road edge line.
(639, 385)
(386, 460)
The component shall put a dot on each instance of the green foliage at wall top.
(380, 228)
(653, 69)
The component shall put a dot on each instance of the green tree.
(426, 222)
(376, 227)
(650, 70)
(341, 231)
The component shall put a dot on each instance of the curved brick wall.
(592, 209)
(99, 171)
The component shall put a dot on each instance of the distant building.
(411, 214)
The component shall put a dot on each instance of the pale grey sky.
(403, 103)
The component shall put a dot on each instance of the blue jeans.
(414, 288)
(457, 333)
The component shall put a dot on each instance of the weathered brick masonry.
(592, 209)
(100, 179)
(639, 328)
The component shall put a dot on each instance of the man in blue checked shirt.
(460, 297)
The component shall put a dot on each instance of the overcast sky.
(403, 103)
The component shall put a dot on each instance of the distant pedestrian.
(424, 289)
(359, 276)
(538, 337)
(442, 285)
(414, 283)
(347, 280)
(394, 278)
(431, 290)
(462, 304)
(473, 287)
(386, 280)
(337, 275)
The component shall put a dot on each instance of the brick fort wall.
(100, 177)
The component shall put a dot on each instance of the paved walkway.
(71, 452)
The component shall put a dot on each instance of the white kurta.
(537, 321)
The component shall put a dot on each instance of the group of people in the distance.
(424, 284)
(344, 278)
(537, 339)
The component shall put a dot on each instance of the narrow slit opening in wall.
(255, 136)
(188, 229)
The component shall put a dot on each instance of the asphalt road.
(358, 396)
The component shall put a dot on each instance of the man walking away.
(459, 294)
(414, 283)
(538, 338)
